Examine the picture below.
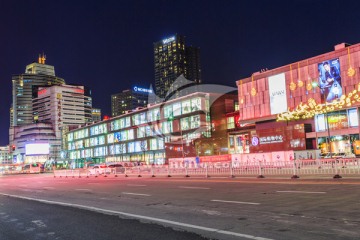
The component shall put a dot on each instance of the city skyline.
(107, 47)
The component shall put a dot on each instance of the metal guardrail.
(295, 168)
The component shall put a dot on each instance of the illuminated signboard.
(167, 40)
(42, 91)
(37, 148)
(271, 139)
(330, 80)
(145, 90)
(79, 90)
(277, 93)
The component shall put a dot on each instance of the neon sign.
(167, 40)
(145, 90)
(42, 91)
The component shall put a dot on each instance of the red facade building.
(309, 104)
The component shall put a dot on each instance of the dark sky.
(108, 45)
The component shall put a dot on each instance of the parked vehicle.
(98, 169)
(116, 167)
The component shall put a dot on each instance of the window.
(195, 104)
(195, 121)
(186, 107)
(141, 132)
(177, 109)
(185, 125)
(230, 122)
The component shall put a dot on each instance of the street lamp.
(322, 93)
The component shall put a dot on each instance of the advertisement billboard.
(37, 148)
(330, 80)
(277, 93)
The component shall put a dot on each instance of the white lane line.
(152, 219)
(224, 201)
(136, 185)
(83, 189)
(139, 194)
(300, 192)
(194, 187)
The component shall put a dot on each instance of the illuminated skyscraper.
(129, 99)
(23, 85)
(172, 59)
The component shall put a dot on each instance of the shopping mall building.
(310, 104)
(183, 127)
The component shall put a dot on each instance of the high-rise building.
(96, 114)
(193, 68)
(62, 106)
(129, 99)
(23, 86)
(172, 59)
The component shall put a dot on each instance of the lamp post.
(314, 85)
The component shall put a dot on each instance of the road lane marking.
(83, 189)
(139, 194)
(224, 201)
(300, 192)
(194, 187)
(136, 216)
(136, 185)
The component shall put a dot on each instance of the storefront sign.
(277, 93)
(254, 141)
(271, 139)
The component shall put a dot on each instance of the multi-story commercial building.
(129, 100)
(310, 104)
(62, 106)
(23, 86)
(34, 133)
(172, 59)
(36, 74)
(153, 134)
(5, 156)
(96, 114)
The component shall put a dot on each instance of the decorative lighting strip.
(311, 108)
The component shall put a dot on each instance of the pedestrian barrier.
(294, 169)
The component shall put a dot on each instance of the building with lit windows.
(36, 74)
(130, 99)
(61, 106)
(153, 134)
(309, 104)
(23, 87)
(34, 133)
(172, 58)
(96, 114)
(5, 156)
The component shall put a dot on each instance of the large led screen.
(330, 80)
(277, 93)
(37, 148)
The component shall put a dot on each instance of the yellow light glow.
(253, 92)
(311, 108)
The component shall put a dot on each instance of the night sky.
(108, 45)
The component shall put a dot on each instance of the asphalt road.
(217, 208)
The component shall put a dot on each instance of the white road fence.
(296, 168)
